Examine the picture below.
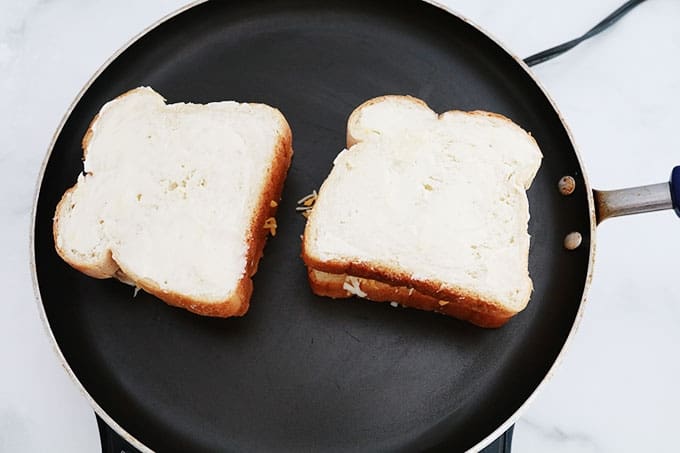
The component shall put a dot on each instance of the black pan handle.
(634, 200)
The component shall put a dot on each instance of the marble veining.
(556, 436)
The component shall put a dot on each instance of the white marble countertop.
(616, 389)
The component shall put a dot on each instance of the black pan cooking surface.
(300, 372)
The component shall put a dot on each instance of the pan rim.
(38, 185)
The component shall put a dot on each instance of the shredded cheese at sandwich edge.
(352, 286)
(306, 203)
(270, 224)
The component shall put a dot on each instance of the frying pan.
(300, 372)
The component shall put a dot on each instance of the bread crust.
(383, 283)
(353, 119)
(332, 285)
(238, 304)
(387, 280)
(100, 269)
(256, 237)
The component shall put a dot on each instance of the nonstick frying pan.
(300, 372)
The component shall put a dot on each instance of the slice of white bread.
(175, 198)
(426, 210)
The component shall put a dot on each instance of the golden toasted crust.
(465, 308)
(422, 295)
(85, 143)
(238, 304)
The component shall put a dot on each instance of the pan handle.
(634, 200)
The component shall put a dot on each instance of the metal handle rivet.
(567, 184)
(573, 240)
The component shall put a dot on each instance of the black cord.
(607, 22)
